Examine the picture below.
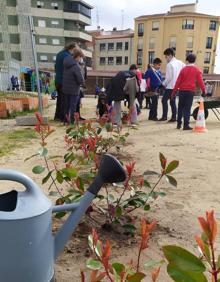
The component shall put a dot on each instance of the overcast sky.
(110, 12)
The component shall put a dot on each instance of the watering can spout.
(110, 171)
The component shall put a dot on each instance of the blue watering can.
(27, 247)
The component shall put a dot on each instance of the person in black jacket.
(72, 79)
(115, 91)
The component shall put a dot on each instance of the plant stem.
(214, 269)
(123, 192)
(139, 257)
(109, 213)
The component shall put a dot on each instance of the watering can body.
(26, 241)
(27, 247)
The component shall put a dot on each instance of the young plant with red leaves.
(185, 266)
(103, 268)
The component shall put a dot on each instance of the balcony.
(81, 34)
(77, 17)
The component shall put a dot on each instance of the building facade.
(183, 29)
(56, 23)
(112, 50)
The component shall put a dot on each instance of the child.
(102, 108)
(154, 74)
(186, 84)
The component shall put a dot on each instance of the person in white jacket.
(173, 69)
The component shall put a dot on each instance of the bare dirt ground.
(198, 187)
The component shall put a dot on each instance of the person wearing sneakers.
(186, 85)
(173, 69)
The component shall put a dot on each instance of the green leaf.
(170, 179)
(46, 178)
(118, 267)
(111, 198)
(70, 172)
(38, 169)
(59, 177)
(118, 212)
(99, 130)
(172, 166)
(147, 184)
(207, 252)
(27, 159)
(153, 264)
(43, 152)
(147, 207)
(53, 194)
(180, 275)
(130, 228)
(183, 259)
(137, 277)
(162, 160)
(60, 215)
(93, 264)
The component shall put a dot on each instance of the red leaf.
(155, 274)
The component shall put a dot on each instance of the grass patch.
(11, 140)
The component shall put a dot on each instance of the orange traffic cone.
(200, 122)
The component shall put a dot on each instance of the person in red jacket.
(186, 85)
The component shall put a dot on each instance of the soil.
(198, 188)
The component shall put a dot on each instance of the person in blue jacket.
(155, 76)
(67, 51)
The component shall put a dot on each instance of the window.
(151, 56)
(126, 46)
(55, 22)
(207, 57)
(212, 25)
(43, 40)
(75, 7)
(43, 58)
(206, 70)
(54, 58)
(209, 43)
(140, 44)
(40, 4)
(189, 42)
(14, 38)
(188, 52)
(110, 60)
(16, 56)
(118, 60)
(155, 25)
(172, 43)
(140, 29)
(41, 23)
(151, 43)
(139, 57)
(188, 24)
(54, 5)
(102, 61)
(56, 41)
(102, 46)
(111, 46)
(119, 46)
(126, 60)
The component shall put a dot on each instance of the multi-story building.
(112, 50)
(56, 23)
(183, 29)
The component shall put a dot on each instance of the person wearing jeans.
(186, 85)
(173, 69)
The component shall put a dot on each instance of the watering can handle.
(13, 175)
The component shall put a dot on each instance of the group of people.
(70, 79)
(132, 86)
(180, 78)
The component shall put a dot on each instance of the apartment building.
(56, 22)
(112, 50)
(183, 29)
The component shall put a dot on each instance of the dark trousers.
(184, 107)
(153, 107)
(70, 105)
(141, 98)
(166, 97)
(59, 112)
